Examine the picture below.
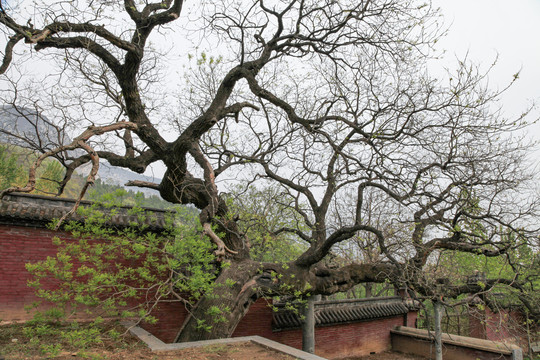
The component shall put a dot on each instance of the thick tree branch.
(81, 42)
(8, 54)
(69, 27)
(300, 233)
(222, 249)
(143, 184)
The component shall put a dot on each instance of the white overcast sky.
(485, 29)
(511, 29)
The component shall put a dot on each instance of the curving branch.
(81, 42)
(99, 30)
(44, 39)
(8, 54)
(80, 142)
(143, 184)
(137, 164)
(297, 232)
(207, 214)
(222, 249)
(172, 8)
(131, 9)
(330, 281)
(90, 179)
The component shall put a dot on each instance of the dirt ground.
(16, 344)
(388, 356)
(241, 351)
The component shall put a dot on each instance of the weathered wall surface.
(420, 342)
(22, 244)
(503, 325)
(334, 342)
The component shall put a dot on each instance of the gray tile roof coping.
(38, 211)
(341, 311)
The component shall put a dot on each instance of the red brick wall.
(477, 325)
(334, 342)
(412, 316)
(412, 345)
(171, 316)
(19, 245)
(359, 338)
(504, 325)
(258, 321)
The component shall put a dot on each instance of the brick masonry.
(337, 341)
(455, 347)
(342, 340)
(19, 245)
(503, 325)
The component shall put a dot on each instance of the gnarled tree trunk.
(216, 315)
(238, 286)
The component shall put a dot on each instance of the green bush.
(105, 271)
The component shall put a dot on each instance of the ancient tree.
(328, 101)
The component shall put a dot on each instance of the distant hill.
(119, 176)
(20, 122)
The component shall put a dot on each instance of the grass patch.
(42, 339)
(221, 348)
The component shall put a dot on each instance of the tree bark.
(369, 289)
(437, 309)
(239, 285)
(216, 315)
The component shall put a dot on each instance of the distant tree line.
(14, 162)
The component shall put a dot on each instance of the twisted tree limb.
(80, 142)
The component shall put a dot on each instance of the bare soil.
(239, 351)
(15, 345)
(388, 356)
(18, 344)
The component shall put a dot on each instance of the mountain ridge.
(18, 123)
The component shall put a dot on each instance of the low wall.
(341, 340)
(24, 239)
(420, 342)
(333, 342)
(22, 244)
(503, 325)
